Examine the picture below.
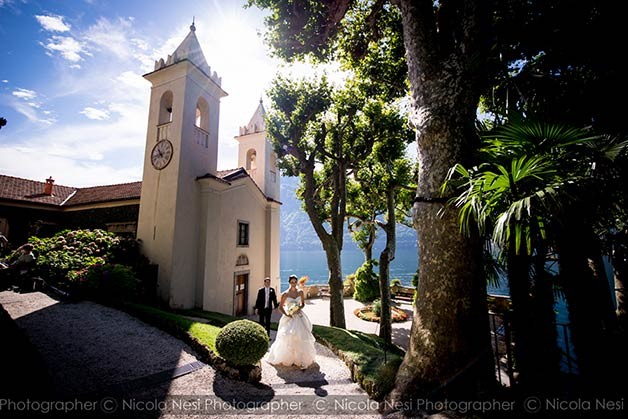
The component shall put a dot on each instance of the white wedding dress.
(294, 344)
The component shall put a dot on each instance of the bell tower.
(181, 145)
(256, 154)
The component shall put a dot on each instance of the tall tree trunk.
(336, 300)
(385, 318)
(332, 242)
(544, 319)
(519, 284)
(580, 292)
(598, 270)
(386, 256)
(368, 249)
(449, 340)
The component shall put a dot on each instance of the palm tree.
(523, 196)
(506, 203)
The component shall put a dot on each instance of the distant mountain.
(297, 232)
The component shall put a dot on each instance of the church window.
(201, 119)
(242, 260)
(273, 167)
(197, 121)
(251, 157)
(165, 108)
(273, 161)
(243, 233)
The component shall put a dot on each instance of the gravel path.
(91, 350)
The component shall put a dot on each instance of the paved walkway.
(317, 310)
(92, 352)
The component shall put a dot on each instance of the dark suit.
(265, 312)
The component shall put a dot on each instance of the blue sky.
(71, 86)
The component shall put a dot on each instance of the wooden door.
(241, 294)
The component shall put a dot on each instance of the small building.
(32, 208)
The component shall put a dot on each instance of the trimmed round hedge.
(242, 342)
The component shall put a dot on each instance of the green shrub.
(366, 283)
(349, 285)
(395, 281)
(72, 250)
(67, 258)
(106, 281)
(377, 307)
(242, 342)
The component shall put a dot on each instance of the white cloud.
(53, 23)
(96, 114)
(133, 80)
(29, 106)
(30, 164)
(102, 152)
(111, 36)
(31, 113)
(140, 43)
(24, 94)
(5, 80)
(70, 48)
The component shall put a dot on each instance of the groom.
(265, 303)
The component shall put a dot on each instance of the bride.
(294, 344)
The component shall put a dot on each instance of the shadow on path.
(236, 392)
(311, 377)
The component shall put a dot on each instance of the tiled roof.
(32, 191)
(106, 193)
(235, 174)
(227, 176)
(26, 190)
(222, 173)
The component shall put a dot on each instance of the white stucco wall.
(170, 202)
(242, 201)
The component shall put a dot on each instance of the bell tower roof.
(190, 50)
(256, 124)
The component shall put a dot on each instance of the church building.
(214, 235)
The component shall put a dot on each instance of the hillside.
(297, 232)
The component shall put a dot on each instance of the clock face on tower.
(161, 154)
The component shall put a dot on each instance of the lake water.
(313, 263)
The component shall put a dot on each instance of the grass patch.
(364, 355)
(204, 333)
(217, 319)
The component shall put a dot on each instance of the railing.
(503, 348)
(501, 340)
(163, 131)
(201, 136)
(566, 358)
